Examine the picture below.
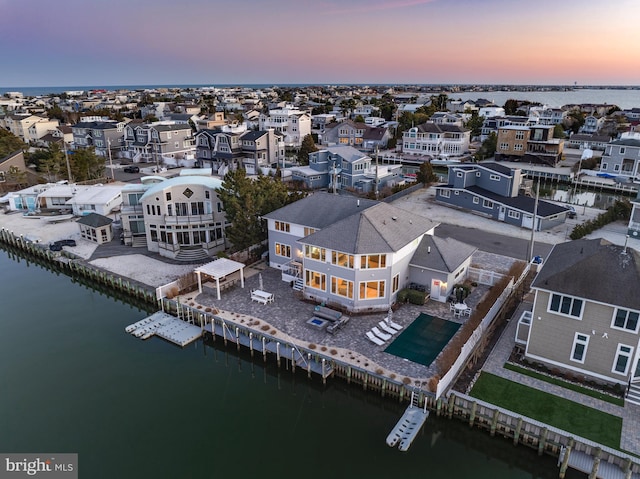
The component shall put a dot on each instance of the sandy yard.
(144, 269)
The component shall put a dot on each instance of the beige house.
(586, 313)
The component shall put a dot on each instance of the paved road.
(493, 242)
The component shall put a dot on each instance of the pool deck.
(288, 315)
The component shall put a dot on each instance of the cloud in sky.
(367, 6)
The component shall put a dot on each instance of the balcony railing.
(189, 219)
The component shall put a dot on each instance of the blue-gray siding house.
(493, 190)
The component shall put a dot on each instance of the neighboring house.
(180, 218)
(345, 167)
(552, 116)
(446, 118)
(39, 129)
(493, 190)
(96, 228)
(493, 124)
(293, 123)
(100, 199)
(15, 160)
(531, 144)
(633, 229)
(233, 147)
(355, 134)
(592, 142)
(436, 140)
(357, 254)
(19, 124)
(591, 125)
(103, 135)
(160, 143)
(622, 158)
(210, 122)
(583, 320)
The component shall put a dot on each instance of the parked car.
(66, 242)
(55, 246)
(131, 169)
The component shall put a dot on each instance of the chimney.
(429, 249)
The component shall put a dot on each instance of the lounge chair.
(385, 327)
(395, 326)
(380, 334)
(374, 339)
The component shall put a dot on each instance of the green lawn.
(553, 410)
(567, 385)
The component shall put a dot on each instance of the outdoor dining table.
(261, 296)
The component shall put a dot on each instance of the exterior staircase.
(139, 242)
(191, 255)
(633, 394)
(298, 284)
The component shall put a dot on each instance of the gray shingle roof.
(378, 229)
(320, 210)
(94, 220)
(593, 269)
(441, 254)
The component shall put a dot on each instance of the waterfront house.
(585, 316)
(531, 144)
(100, 199)
(436, 140)
(622, 158)
(356, 254)
(591, 141)
(96, 228)
(493, 190)
(180, 218)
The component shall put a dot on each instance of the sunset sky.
(134, 42)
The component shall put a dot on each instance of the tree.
(558, 131)
(17, 177)
(475, 124)
(307, 146)
(50, 162)
(488, 147)
(10, 143)
(245, 201)
(439, 102)
(359, 119)
(511, 107)
(425, 174)
(86, 165)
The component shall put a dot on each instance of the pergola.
(219, 269)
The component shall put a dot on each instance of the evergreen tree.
(86, 165)
(425, 174)
(307, 146)
(10, 143)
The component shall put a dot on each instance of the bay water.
(72, 381)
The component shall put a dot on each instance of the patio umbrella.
(388, 318)
(260, 281)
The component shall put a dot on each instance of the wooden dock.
(407, 428)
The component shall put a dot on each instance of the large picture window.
(313, 252)
(622, 360)
(566, 305)
(342, 287)
(373, 261)
(283, 250)
(342, 259)
(371, 290)
(315, 280)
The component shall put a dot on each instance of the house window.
(504, 146)
(519, 135)
(616, 167)
(476, 200)
(625, 319)
(622, 150)
(283, 250)
(371, 289)
(565, 305)
(445, 193)
(459, 174)
(313, 252)
(579, 349)
(282, 226)
(315, 280)
(168, 195)
(395, 283)
(342, 259)
(373, 261)
(518, 147)
(514, 214)
(623, 359)
(342, 287)
(487, 204)
(309, 231)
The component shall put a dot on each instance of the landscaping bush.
(402, 295)
(620, 210)
(416, 297)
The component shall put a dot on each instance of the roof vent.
(429, 249)
(394, 218)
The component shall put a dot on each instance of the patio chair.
(385, 327)
(452, 306)
(395, 326)
(374, 339)
(380, 334)
(467, 312)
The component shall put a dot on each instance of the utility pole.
(533, 227)
(66, 157)
(113, 178)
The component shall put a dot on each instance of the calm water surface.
(71, 380)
